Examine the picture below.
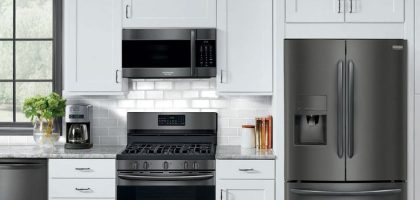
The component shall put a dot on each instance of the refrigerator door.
(376, 133)
(345, 191)
(314, 139)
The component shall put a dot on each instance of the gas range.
(172, 152)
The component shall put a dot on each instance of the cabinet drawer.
(82, 188)
(245, 169)
(82, 168)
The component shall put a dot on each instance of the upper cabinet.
(245, 46)
(92, 47)
(169, 13)
(345, 11)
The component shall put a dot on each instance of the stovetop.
(177, 151)
(168, 149)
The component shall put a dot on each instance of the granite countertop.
(225, 152)
(32, 151)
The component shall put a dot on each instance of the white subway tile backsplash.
(145, 85)
(136, 95)
(200, 103)
(209, 94)
(182, 85)
(99, 131)
(163, 104)
(154, 94)
(145, 104)
(204, 84)
(181, 104)
(163, 85)
(219, 103)
(190, 94)
(172, 94)
(110, 122)
(127, 103)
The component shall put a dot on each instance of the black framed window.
(30, 57)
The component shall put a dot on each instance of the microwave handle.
(193, 51)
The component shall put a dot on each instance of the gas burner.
(169, 149)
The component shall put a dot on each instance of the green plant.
(45, 108)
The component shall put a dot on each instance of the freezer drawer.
(346, 191)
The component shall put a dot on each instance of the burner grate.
(168, 149)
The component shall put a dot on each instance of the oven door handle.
(165, 178)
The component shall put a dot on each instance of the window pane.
(33, 60)
(34, 18)
(29, 89)
(6, 102)
(6, 18)
(6, 59)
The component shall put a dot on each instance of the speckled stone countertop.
(225, 152)
(31, 151)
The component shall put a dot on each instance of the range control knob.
(185, 165)
(195, 165)
(134, 165)
(145, 165)
(165, 165)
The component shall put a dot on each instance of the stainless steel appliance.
(78, 119)
(168, 156)
(169, 53)
(23, 179)
(345, 119)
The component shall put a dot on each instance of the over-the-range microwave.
(169, 53)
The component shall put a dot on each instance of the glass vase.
(46, 133)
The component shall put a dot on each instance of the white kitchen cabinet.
(81, 179)
(169, 13)
(315, 11)
(245, 179)
(375, 11)
(245, 190)
(245, 46)
(92, 47)
(372, 11)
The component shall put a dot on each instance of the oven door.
(166, 185)
(155, 53)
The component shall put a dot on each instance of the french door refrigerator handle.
(340, 132)
(350, 110)
(339, 193)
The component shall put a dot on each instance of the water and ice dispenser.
(310, 120)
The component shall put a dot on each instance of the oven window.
(156, 53)
(166, 193)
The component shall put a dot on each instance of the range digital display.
(171, 120)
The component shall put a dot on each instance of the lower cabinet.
(245, 189)
(245, 179)
(92, 179)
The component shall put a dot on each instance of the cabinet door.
(245, 189)
(92, 46)
(245, 49)
(315, 11)
(375, 11)
(169, 13)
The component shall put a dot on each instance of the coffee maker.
(78, 121)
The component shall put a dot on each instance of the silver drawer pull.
(247, 170)
(83, 189)
(83, 169)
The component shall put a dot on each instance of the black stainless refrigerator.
(345, 119)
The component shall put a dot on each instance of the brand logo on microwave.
(168, 73)
(397, 47)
